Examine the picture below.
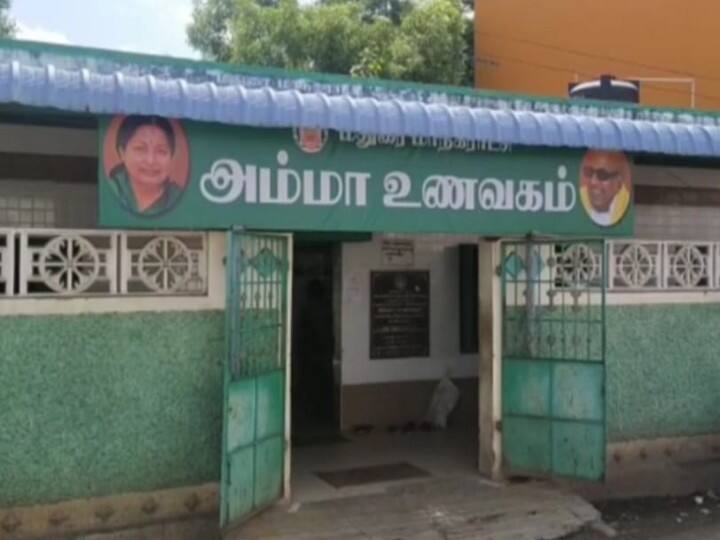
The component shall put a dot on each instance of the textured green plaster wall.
(663, 371)
(97, 404)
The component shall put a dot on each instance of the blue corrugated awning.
(83, 90)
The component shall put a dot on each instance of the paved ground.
(661, 477)
(694, 517)
(711, 532)
(438, 509)
(682, 518)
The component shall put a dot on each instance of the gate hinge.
(498, 426)
(498, 270)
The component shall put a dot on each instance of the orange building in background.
(540, 46)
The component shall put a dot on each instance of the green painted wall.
(663, 371)
(97, 404)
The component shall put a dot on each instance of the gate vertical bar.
(607, 263)
(529, 298)
(230, 325)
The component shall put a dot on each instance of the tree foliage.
(397, 39)
(269, 36)
(430, 46)
(7, 25)
(391, 10)
(211, 29)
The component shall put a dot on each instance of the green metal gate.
(254, 417)
(553, 359)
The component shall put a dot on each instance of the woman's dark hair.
(130, 124)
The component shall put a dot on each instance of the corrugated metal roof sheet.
(86, 91)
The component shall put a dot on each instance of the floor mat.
(369, 475)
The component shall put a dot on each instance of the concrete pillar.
(490, 321)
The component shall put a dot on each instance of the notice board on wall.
(399, 314)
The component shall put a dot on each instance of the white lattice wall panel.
(632, 266)
(63, 262)
(167, 263)
(553, 274)
(639, 265)
(7, 263)
(67, 262)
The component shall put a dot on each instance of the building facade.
(326, 237)
(522, 46)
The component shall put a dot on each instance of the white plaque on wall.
(398, 253)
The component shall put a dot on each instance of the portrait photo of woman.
(146, 163)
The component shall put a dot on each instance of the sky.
(145, 26)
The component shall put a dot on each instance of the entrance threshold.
(460, 507)
(370, 463)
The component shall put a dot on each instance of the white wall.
(56, 141)
(214, 300)
(651, 175)
(437, 254)
(658, 222)
(75, 204)
(665, 222)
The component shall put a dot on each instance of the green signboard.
(159, 173)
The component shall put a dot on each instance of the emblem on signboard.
(310, 141)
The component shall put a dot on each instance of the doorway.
(376, 432)
(315, 385)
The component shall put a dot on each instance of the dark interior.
(314, 408)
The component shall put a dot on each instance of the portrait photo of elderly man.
(605, 186)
